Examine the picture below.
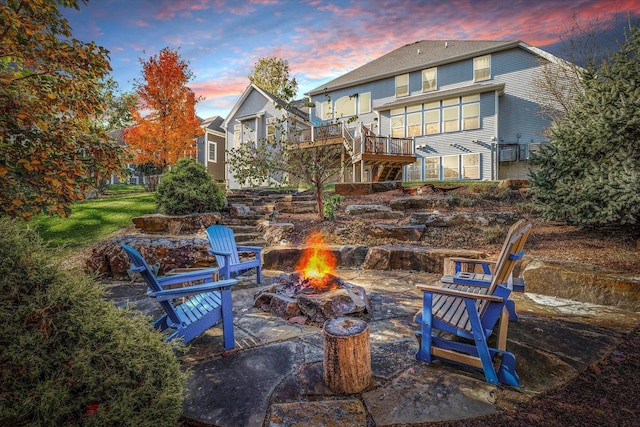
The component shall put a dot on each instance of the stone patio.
(274, 375)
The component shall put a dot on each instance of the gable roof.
(417, 56)
(290, 108)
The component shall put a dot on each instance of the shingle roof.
(415, 56)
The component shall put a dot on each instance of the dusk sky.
(320, 39)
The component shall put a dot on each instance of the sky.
(221, 39)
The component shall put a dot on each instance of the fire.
(317, 264)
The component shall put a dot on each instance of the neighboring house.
(469, 107)
(211, 147)
(132, 175)
(258, 115)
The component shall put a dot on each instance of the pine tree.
(589, 174)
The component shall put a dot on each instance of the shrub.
(188, 188)
(331, 205)
(69, 357)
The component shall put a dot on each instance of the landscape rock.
(483, 219)
(389, 231)
(417, 258)
(175, 224)
(285, 258)
(421, 202)
(275, 233)
(109, 260)
(373, 211)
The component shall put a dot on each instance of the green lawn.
(93, 220)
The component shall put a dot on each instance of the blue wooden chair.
(471, 312)
(192, 309)
(223, 246)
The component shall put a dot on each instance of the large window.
(397, 126)
(471, 166)
(482, 68)
(326, 112)
(345, 106)
(237, 133)
(414, 124)
(451, 115)
(402, 85)
(470, 112)
(450, 167)
(364, 101)
(414, 171)
(429, 79)
(432, 168)
(213, 152)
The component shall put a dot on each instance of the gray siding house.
(468, 107)
(211, 147)
(258, 115)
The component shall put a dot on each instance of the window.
(450, 115)
(413, 171)
(414, 124)
(429, 79)
(402, 85)
(397, 127)
(237, 133)
(326, 112)
(450, 168)
(471, 166)
(482, 68)
(213, 152)
(345, 106)
(364, 102)
(432, 118)
(432, 168)
(271, 132)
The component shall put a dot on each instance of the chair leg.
(259, 274)
(426, 319)
(227, 319)
(481, 342)
(511, 306)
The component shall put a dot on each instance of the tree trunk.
(347, 355)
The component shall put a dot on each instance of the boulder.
(309, 206)
(373, 211)
(421, 202)
(175, 224)
(407, 233)
(417, 258)
(483, 219)
(286, 258)
(584, 283)
(109, 260)
(514, 184)
(275, 233)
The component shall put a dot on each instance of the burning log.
(347, 355)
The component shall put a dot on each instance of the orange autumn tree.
(165, 121)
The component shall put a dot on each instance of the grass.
(92, 220)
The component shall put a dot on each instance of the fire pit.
(313, 293)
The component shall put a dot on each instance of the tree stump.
(347, 355)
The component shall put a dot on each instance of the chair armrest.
(472, 260)
(217, 252)
(457, 293)
(203, 274)
(255, 249)
(169, 294)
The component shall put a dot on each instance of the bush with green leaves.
(187, 188)
(69, 357)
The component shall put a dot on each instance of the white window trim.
(215, 152)
(475, 70)
(402, 94)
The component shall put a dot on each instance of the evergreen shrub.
(188, 188)
(67, 356)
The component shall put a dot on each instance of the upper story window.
(432, 118)
(237, 132)
(364, 102)
(471, 112)
(213, 152)
(345, 106)
(326, 112)
(451, 115)
(397, 122)
(429, 79)
(271, 128)
(402, 85)
(482, 68)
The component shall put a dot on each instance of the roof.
(417, 56)
(214, 123)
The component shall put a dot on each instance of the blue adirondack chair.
(466, 273)
(223, 246)
(191, 309)
(471, 312)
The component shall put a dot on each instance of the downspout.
(494, 146)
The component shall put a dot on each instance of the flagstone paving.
(274, 376)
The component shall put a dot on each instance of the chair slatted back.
(510, 253)
(221, 238)
(139, 265)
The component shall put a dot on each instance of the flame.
(317, 263)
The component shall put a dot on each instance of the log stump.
(347, 355)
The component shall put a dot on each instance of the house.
(211, 147)
(258, 115)
(430, 110)
(469, 106)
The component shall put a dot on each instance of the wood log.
(347, 355)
